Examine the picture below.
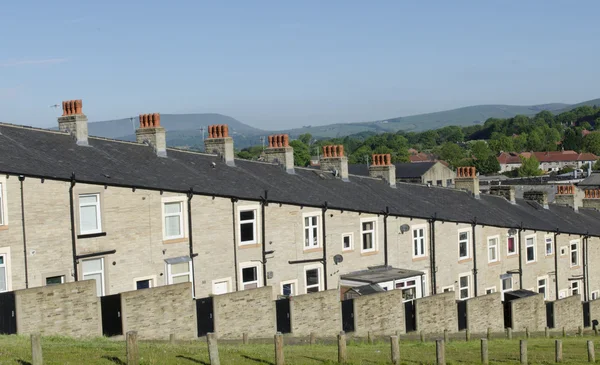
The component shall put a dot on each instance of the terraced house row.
(133, 215)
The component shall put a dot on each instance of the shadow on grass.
(114, 359)
(192, 359)
(316, 359)
(23, 362)
(261, 361)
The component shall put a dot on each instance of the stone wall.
(568, 313)
(528, 312)
(251, 311)
(436, 313)
(71, 309)
(316, 312)
(157, 312)
(485, 312)
(594, 311)
(380, 313)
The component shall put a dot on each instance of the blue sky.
(278, 64)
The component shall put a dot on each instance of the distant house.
(433, 173)
(549, 161)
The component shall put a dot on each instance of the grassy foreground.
(57, 350)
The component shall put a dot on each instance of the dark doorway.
(550, 314)
(8, 314)
(112, 324)
(461, 307)
(410, 319)
(587, 317)
(348, 315)
(204, 315)
(282, 307)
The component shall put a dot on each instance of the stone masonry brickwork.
(595, 311)
(436, 313)
(529, 312)
(485, 312)
(380, 313)
(568, 313)
(71, 309)
(251, 311)
(155, 313)
(316, 312)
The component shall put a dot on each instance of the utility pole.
(262, 142)
(202, 130)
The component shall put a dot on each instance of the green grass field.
(57, 350)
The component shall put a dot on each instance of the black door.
(112, 324)
(204, 315)
(282, 307)
(587, 320)
(549, 315)
(410, 320)
(507, 314)
(461, 307)
(348, 315)
(8, 314)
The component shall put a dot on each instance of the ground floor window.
(507, 285)
(595, 294)
(220, 286)
(409, 289)
(312, 277)
(54, 280)
(289, 288)
(250, 277)
(464, 287)
(3, 273)
(490, 290)
(542, 287)
(143, 284)
(93, 269)
(179, 272)
(574, 287)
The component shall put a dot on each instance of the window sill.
(549, 255)
(249, 245)
(3, 228)
(531, 262)
(315, 249)
(369, 253)
(175, 240)
(420, 258)
(511, 255)
(575, 267)
(91, 235)
(348, 250)
(467, 259)
(494, 263)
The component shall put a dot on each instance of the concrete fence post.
(172, 338)
(527, 334)
(245, 338)
(489, 333)
(422, 336)
(547, 332)
(580, 331)
(213, 349)
(440, 352)
(484, 351)
(446, 336)
(467, 335)
(36, 349)
(313, 338)
(558, 356)
(369, 337)
(591, 352)
(523, 352)
(509, 333)
(279, 359)
(342, 348)
(132, 348)
(395, 350)
(595, 331)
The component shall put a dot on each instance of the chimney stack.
(152, 133)
(219, 142)
(592, 199)
(333, 159)
(466, 179)
(382, 167)
(279, 152)
(539, 196)
(73, 121)
(566, 195)
(508, 192)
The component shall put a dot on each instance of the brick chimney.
(538, 196)
(219, 142)
(592, 199)
(466, 179)
(382, 167)
(566, 195)
(73, 121)
(151, 133)
(333, 160)
(506, 191)
(279, 152)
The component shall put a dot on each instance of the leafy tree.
(535, 141)
(591, 143)
(428, 139)
(572, 140)
(301, 153)
(529, 167)
(451, 153)
(596, 166)
(305, 138)
(501, 144)
(489, 165)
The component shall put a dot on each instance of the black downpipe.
(21, 179)
(520, 259)
(432, 252)
(473, 226)
(73, 233)
(385, 237)
(235, 263)
(556, 264)
(585, 276)
(324, 246)
(265, 202)
(190, 195)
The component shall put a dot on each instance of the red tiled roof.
(550, 156)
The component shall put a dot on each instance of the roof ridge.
(21, 126)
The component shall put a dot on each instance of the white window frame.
(247, 208)
(311, 245)
(578, 282)
(491, 289)
(496, 248)
(533, 237)
(245, 265)
(182, 221)
(5, 252)
(319, 269)
(63, 279)
(3, 215)
(221, 280)
(595, 294)
(468, 287)
(515, 246)
(170, 276)
(447, 288)
(152, 279)
(102, 272)
(545, 286)
(502, 290)
(373, 232)
(98, 213)
(413, 239)
(351, 235)
(294, 286)
(576, 243)
(549, 240)
(468, 232)
(562, 293)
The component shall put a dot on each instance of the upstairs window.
(463, 245)
(574, 253)
(549, 246)
(511, 247)
(368, 236)
(530, 245)
(173, 220)
(1, 205)
(89, 214)
(347, 242)
(418, 242)
(248, 227)
(493, 249)
(311, 232)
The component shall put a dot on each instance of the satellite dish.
(338, 258)
(404, 228)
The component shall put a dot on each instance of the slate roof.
(380, 274)
(592, 180)
(403, 170)
(54, 155)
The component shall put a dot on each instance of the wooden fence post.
(467, 335)
(395, 350)
(132, 348)
(523, 352)
(313, 338)
(213, 349)
(591, 352)
(422, 336)
(547, 332)
(558, 351)
(527, 334)
(172, 338)
(279, 359)
(245, 338)
(370, 337)
(509, 333)
(440, 352)
(484, 351)
(342, 348)
(445, 335)
(580, 331)
(36, 349)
